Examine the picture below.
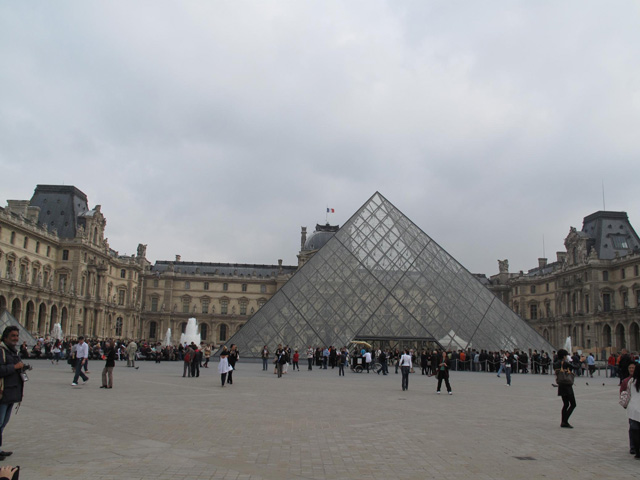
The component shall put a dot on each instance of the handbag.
(625, 396)
(564, 377)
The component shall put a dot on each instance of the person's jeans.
(79, 372)
(405, 377)
(5, 415)
(107, 373)
(310, 360)
(341, 369)
(500, 369)
(325, 360)
(265, 364)
(507, 372)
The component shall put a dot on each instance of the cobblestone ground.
(154, 424)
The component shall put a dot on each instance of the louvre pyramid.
(8, 320)
(381, 277)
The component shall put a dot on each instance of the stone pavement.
(154, 424)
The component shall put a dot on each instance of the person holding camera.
(11, 379)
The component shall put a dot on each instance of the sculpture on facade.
(503, 266)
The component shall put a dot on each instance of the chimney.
(303, 237)
(542, 262)
(561, 256)
(178, 258)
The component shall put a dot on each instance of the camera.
(24, 370)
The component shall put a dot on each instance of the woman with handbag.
(564, 380)
(625, 394)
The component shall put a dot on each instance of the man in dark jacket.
(10, 370)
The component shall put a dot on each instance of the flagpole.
(326, 215)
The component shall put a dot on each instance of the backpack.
(188, 357)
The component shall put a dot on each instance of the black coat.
(564, 390)
(13, 384)
(110, 356)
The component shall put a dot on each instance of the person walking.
(223, 366)
(565, 391)
(281, 359)
(296, 359)
(342, 360)
(310, 357)
(265, 358)
(132, 348)
(10, 374)
(633, 410)
(382, 358)
(82, 354)
(207, 355)
(508, 363)
(443, 373)
(405, 368)
(632, 423)
(234, 356)
(107, 371)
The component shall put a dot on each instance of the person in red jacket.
(296, 357)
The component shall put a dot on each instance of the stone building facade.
(56, 266)
(221, 296)
(591, 293)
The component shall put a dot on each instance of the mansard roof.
(60, 207)
(612, 233)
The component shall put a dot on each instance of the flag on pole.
(330, 210)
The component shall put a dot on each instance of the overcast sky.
(215, 130)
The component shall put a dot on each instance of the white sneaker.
(450, 393)
(438, 392)
(74, 384)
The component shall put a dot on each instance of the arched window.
(223, 333)
(204, 330)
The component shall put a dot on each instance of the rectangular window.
(65, 254)
(243, 308)
(244, 287)
(155, 283)
(206, 285)
(533, 311)
(606, 302)
(533, 289)
(13, 238)
(516, 290)
(121, 294)
(636, 270)
(638, 298)
(48, 250)
(25, 244)
(37, 247)
(263, 289)
(205, 306)
(123, 273)
(619, 241)
(547, 287)
(119, 327)
(225, 287)
(187, 285)
(224, 306)
(605, 276)
(154, 304)
(185, 305)
(623, 273)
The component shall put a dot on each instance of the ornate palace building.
(591, 293)
(56, 266)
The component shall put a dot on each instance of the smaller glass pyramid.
(381, 277)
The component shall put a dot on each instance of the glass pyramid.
(382, 278)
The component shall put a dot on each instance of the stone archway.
(64, 314)
(634, 337)
(54, 316)
(3, 303)
(620, 337)
(42, 318)
(29, 320)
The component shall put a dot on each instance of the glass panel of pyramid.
(382, 278)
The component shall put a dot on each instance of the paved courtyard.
(154, 424)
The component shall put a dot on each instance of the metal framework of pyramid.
(8, 320)
(381, 277)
